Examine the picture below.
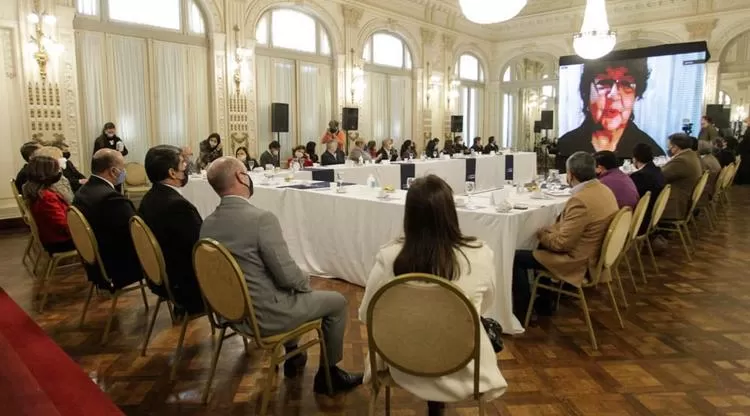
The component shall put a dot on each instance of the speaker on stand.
(457, 126)
(279, 119)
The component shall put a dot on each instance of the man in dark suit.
(648, 178)
(175, 223)
(332, 155)
(109, 212)
(27, 150)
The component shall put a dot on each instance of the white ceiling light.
(595, 39)
(487, 12)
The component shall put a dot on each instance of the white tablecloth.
(338, 235)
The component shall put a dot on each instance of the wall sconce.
(42, 44)
(433, 86)
(357, 87)
(239, 54)
(453, 88)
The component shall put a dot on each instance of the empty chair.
(638, 215)
(677, 226)
(645, 239)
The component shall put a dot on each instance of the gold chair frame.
(711, 208)
(131, 186)
(635, 226)
(656, 213)
(677, 226)
(229, 305)
(88, 248)
(154, 267)
(379, 347)
(616, 235)
(33, 250)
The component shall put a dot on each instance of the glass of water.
(409, 181)
(251, 165)
(469, 187)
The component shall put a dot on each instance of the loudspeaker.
(547, 122)
(719, 115)
(350, 119)
(457, 124)
(279, 117)
(537, 126)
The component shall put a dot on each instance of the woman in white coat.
(433, 243)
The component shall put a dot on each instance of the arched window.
(724, 98)
(469, 72)
(143, 65)
(387, 98)
(293, 66)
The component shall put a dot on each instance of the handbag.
(494, 332)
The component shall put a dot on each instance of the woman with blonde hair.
(62, 186)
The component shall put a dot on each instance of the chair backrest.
(614, 242)
(659, 206)
(19, 200)
(85, 240)
(440, 336)
(135, 174)
(149, 253)
(698, 192)
(731, 171)
(639, 214)
(721, 179)
(223, 285)
(30, 220)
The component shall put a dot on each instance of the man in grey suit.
(281, 292)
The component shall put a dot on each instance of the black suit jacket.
(109, 212)
(648, 179)
(579, 139)
(726, 157)
(22, 177)
(73, 175)
(328, 159)
(176, 225)
(491, 147)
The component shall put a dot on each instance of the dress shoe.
(341, 381)
(295, 366)
(435, 408)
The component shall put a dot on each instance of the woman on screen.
(609, 91)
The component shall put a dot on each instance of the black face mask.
(184, 179)
(333, 130)
(66, 155)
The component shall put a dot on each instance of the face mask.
(333, 130)
(63, 162)
(275, 152)
(184, 179)
(110, 135)
(66, 155)
(249, 185)
(298, 155)
(120, 178)
(242, 157)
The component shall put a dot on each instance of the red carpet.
(39, 378)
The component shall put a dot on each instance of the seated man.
(271, 156)
(648, 178)
(27, 150)
(358, 151)
(333, 155)
(682, 172)
(711, 164)
(109, 212)
(609, 173)
(175, 223)
(281, 292)
(570, 248)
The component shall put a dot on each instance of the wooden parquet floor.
(685, 349)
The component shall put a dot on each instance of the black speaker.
(547, 121)
(457, 124)
(537, 126)
(350, 119)
(719, 115)
(279, 117)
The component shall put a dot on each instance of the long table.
(338, 234)
(487, 172)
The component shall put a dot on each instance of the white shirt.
(176, 189)
(105, 180)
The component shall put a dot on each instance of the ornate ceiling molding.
(428, 36)
(352, 15)
(700, 30)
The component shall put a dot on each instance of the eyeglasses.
(605, 85)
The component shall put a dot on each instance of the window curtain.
(278, 76)
(92, 54)
(132, 115)
(263, 90)
(388, 102)
(314, 101)
(199, 120)
(170, 110)
(400, 111)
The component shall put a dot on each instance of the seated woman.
(311, 153)
(244, 156)
(62, 186)
(359, 152)
(432, 148)
(387, 152)
(445, 252)
(47, 206)
(408, 150)
(372, 149)
(76, 178)
(300, 157)
(210, 150)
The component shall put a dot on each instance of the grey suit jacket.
(682, 172)
(274, 280)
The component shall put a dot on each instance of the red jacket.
(305, 164)
(50, 214)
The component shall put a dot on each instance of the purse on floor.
(494, 332)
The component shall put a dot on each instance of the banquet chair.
(33, 250)
(53, 260)
(136, 180)
(439, 314)
(605, 271)
(710, 209)
(677, 226)
(656, 213)
(230, 306)
(85, 242)
(728, 183)
(635, 226)
(152, 261)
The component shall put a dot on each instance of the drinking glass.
(409, 181)
(469, 187)
(251, 164)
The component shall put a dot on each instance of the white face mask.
(242, 157)
(298, 155)
(62, 162)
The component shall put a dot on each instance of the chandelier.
(595, 39)
(486, 12)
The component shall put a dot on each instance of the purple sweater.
(622, 186)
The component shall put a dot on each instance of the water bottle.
(295, 166)
(361, 161)
(371, 182)
(339, 181)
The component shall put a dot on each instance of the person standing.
(109, 140)
(334, 134)
(708, 132)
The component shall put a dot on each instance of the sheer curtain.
(283, 92)
(379, 106)
(263, 83)
(169, 82)
(400, 92)
(199, 120)
(314, 100)
(91, 50)
(132, 114)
